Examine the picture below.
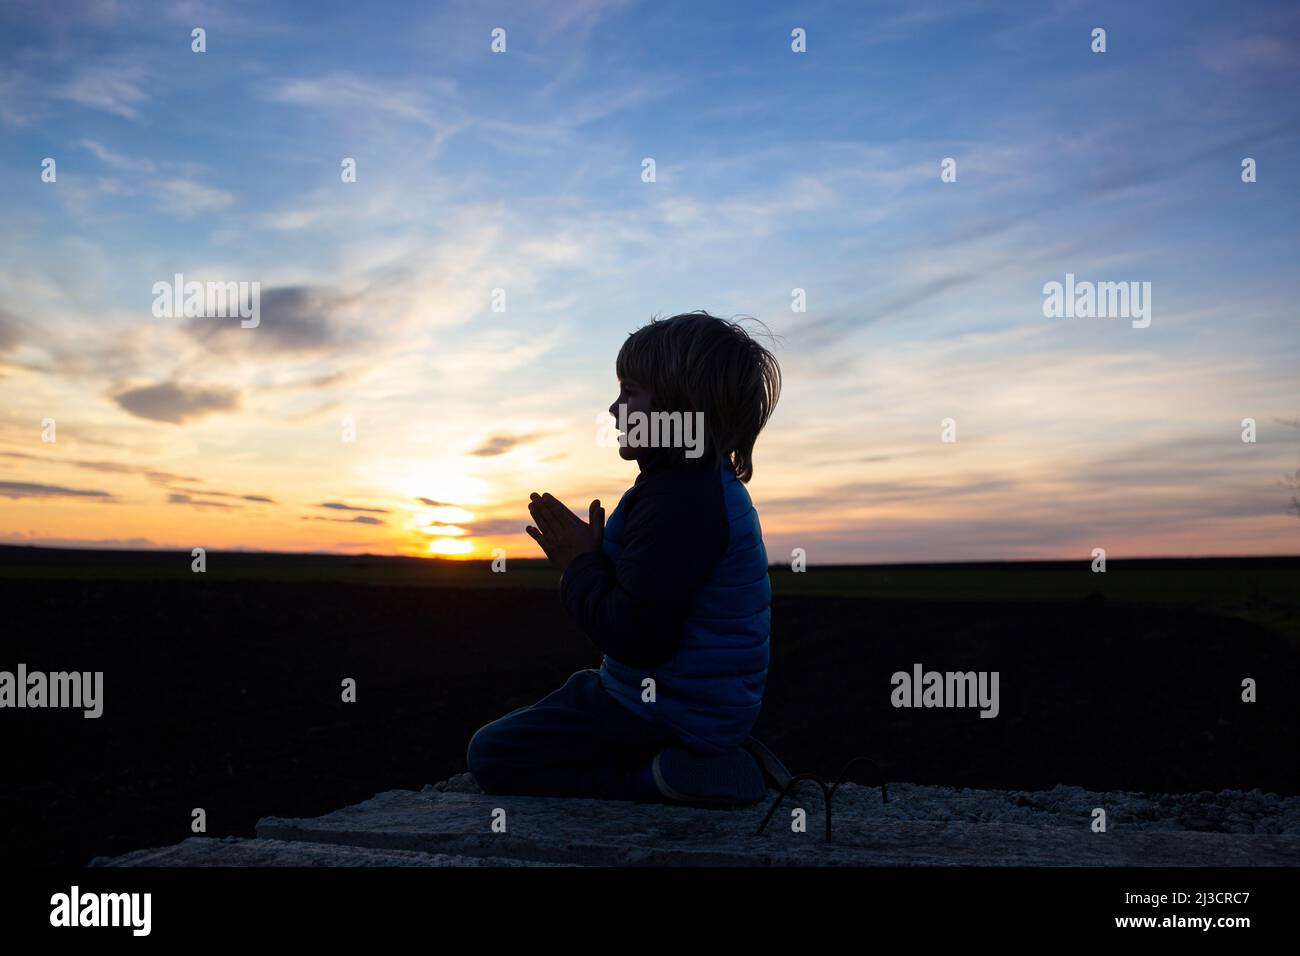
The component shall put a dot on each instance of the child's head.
(698, 363)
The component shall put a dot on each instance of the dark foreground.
(223, 691)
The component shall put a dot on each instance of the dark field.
(222, 690)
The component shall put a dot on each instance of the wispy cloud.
(186, 197)
(112, 88)
(180, 499)
(117, 160)
(1273, 51)
(359, 519)
(44, 541)
(340, 506)
(25, 489)
(500, 444)
(345, 93)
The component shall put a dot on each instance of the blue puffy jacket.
(681, 595)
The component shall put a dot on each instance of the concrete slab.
(236, 851)
(921, 826)
(451, 824)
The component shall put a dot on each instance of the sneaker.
(711, 779)
(774, 771)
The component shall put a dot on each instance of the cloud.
(18, 538)
(347, 93)
(176, 403)
(185, 197)
(107, 467)
(495, 527)
(330, 379)
(215, 15)
(25, 489)
(117, 160)
(1035, 526)
(359, 519)
(179, 499)
(113, 89)
(294, 219)
(258, 499)
(339, 506)
(575, 20)
(16, 89)
(167, 477)
(867, 494)
(9, 334)
(500, 444)
(292, 320)
(1275, 51)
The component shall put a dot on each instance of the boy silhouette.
(673, 590)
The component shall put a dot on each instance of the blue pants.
(578, 741)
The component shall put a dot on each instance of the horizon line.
(446, 559)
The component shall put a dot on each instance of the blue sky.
(774, 171)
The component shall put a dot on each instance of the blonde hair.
(697, 362)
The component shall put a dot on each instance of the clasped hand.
(562, 534)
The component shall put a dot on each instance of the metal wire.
(828, 793)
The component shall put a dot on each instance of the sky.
(387, 403)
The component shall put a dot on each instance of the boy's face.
(636, 398)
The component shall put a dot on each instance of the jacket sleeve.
(634, 609)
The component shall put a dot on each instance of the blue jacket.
(681, 595)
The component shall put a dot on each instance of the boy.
(673, 589)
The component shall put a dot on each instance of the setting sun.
(450, 547)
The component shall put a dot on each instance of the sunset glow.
(437, 339)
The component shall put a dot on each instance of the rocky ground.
(451, 823)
